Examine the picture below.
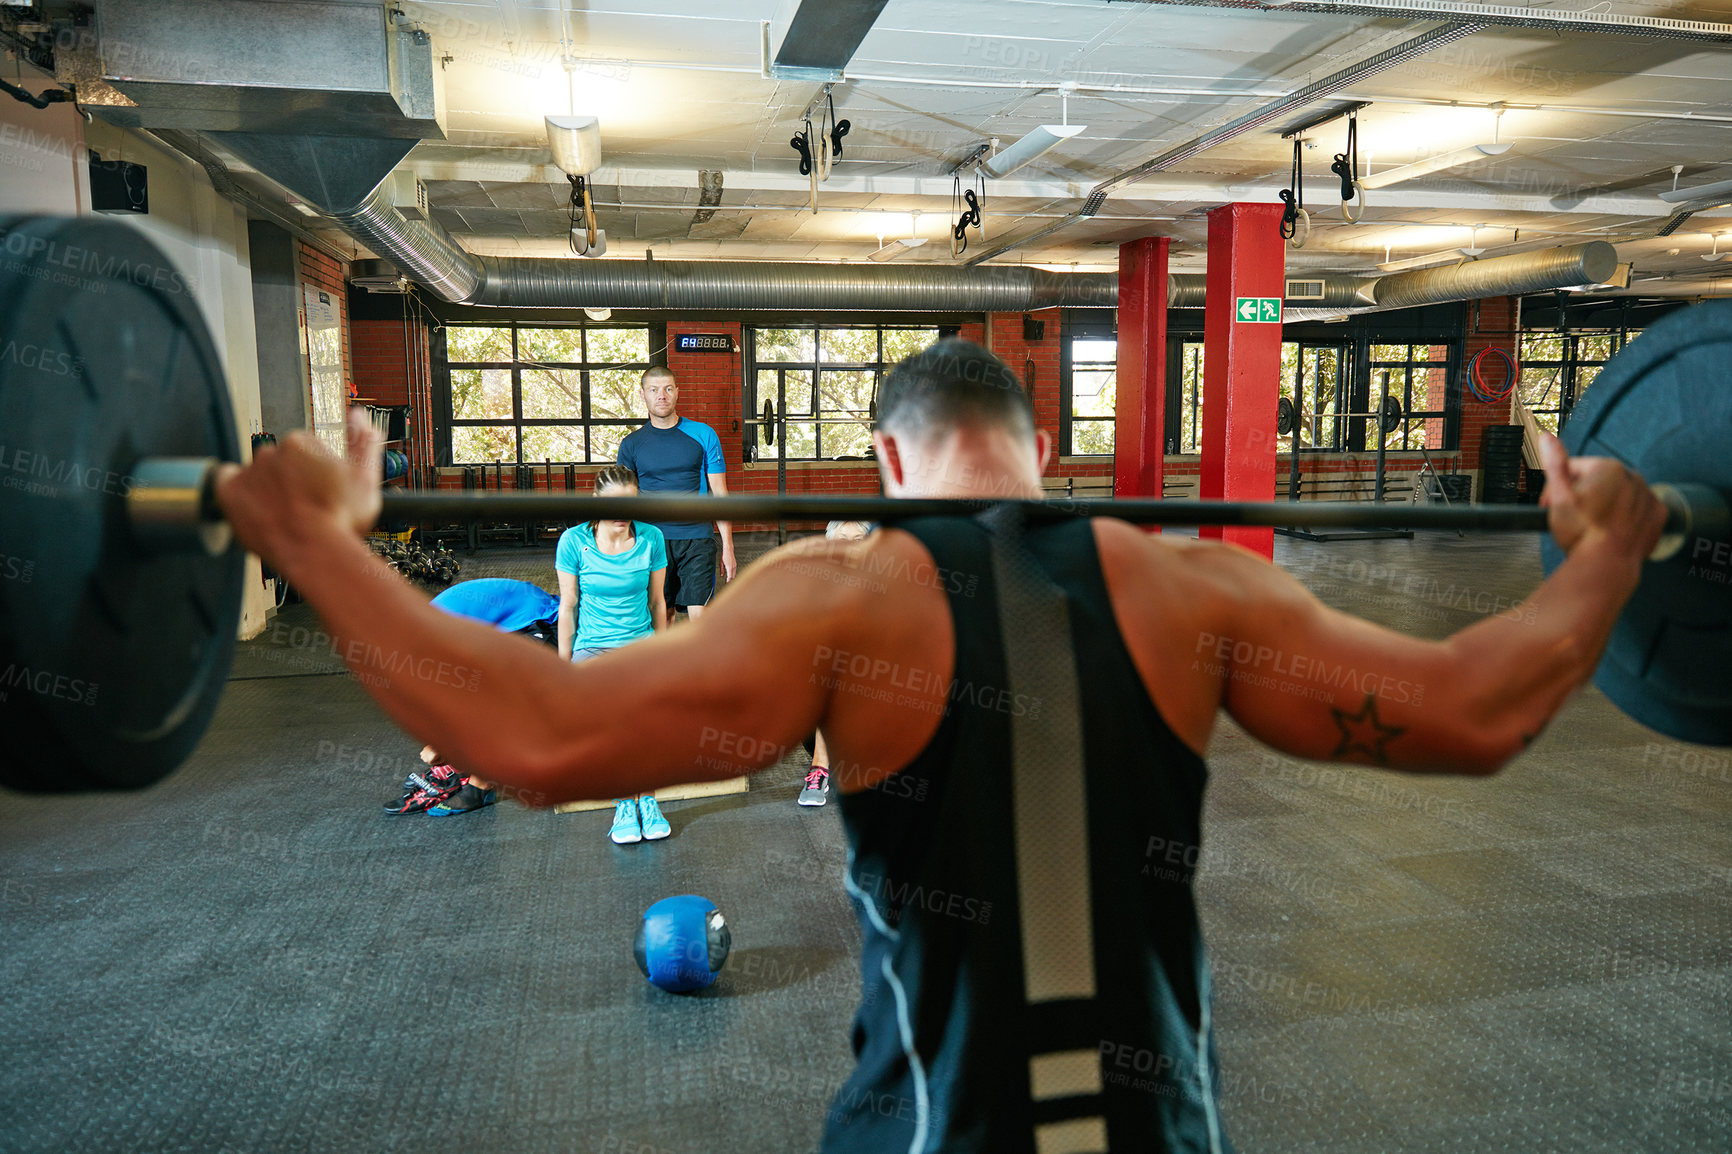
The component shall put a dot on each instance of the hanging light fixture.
(898, 247)
(574, 140)
(1452, 159)
(1037, 142)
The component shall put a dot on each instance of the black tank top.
(1032, 975)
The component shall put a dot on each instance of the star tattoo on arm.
(1363, 733)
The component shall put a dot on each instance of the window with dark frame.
(1314, 376)
(1557, 368)
(824, 379)
(524, 394)
(1091, 417)
(1326, 376)
(1189, 433)
(1088, 375)
(1418, 377)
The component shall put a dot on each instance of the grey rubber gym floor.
(250, 957)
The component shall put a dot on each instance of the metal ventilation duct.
(824, 35)
(1185, 291)
(334, 67)
(520, 282)
(1525, 272)
(428, 255)
(347, 182)
(1574, 264)
(423, 250)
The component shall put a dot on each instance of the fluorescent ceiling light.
(898, 247)
(1406, 264)
(1472, 250)
(1702, 196)
(1433, 164)
(1040, 140)
(895, 248)
(576, 143)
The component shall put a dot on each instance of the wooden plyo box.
(667, 793)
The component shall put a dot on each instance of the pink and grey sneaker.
(817, 790)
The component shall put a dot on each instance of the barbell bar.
(121, 588)
(171, 506)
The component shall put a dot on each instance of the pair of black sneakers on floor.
(440, 792)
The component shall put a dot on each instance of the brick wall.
(382, 353)
(393, 366)
(332, 276)
(710, 385)
(1489, 326)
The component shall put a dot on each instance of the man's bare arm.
(719, 486)
(1319, 683)
(722, 697)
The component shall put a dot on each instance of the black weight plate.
(1663, 407)
(111, 659)
(1391, 418)
(1284, 416)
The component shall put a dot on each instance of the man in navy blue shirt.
(675, 454)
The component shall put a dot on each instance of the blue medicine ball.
(682, 943)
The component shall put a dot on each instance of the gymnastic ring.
(1352, 217)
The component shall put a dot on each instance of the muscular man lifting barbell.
(1053, 685)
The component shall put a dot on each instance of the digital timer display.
(704, 343)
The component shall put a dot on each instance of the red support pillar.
(1139, 439)
(1242, 363)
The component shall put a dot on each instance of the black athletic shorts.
(691, 576)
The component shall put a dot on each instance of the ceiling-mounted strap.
(1293, 197)
(1346, 164)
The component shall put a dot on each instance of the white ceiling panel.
(1596, 122)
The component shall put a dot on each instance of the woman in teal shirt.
(610, 594)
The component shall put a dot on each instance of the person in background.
(816, 790)
(675, 454)
(510, 607)
(612, 577)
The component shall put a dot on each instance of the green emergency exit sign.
(1259, 310)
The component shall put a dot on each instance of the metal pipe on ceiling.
(1544, 270)
(428, 254)
(551, 282)
(1186, 290)
(224, 185)
(1328, 86)
(1573, 264)
(421, 248)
